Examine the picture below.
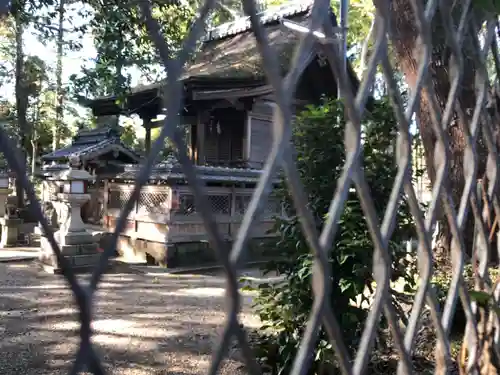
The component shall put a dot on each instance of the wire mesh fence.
(479, 126)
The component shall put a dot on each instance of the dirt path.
(142, 325)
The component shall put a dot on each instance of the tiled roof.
(50, 169)
(173, 171)
(270, 15)
(229, 54)
(92, 143)
(169, 171)
(231, 50)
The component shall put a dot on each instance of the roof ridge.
(269, 15)
(84, 148)
(94, 136)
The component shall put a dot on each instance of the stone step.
(29, 239)
(84, 260)
(71, 250)
(34, 239)
(77, 262)
(22, 239)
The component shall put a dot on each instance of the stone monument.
(9, 221)
(76, 243)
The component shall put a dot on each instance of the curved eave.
(208, 174)
(180, 177)
(138, 101)
(118, 147)
(95, 151)
(149, 97)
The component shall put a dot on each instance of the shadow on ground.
(142, 325)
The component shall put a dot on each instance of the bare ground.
(142, 324)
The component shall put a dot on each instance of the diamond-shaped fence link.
(462, 30)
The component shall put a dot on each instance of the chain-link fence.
(479, 122)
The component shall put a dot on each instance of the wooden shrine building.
(228, 102)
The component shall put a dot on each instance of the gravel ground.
(142, 325)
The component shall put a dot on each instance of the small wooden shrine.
(96, 149)
(100, 152)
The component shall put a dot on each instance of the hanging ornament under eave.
(210, 125)
(218, 128)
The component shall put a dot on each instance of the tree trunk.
(21, 102)
(404, 40)
(33, 159)
(59, 91)
(120, 83)
(34, 139)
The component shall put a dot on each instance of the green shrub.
(441, 281)
(284, 308)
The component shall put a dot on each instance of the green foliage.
(485, 300)
(122, 42)
(441, 281)
(128, 135)
(169, 145)
(359, 17)
(46, 22)
(284, 308)
(36, 89)
(489, 6)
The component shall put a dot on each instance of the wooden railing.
(168, 213)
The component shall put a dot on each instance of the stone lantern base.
(9, 222)
(10, 231)
(77, 245)
(80, 249)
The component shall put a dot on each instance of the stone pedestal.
(10, 224)
(10, 231)
(77, 245)
(82, 257)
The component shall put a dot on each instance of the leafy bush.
(284, 308)
(441, 282)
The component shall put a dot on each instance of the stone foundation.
(187, 254)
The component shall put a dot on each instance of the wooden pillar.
(189, 141)
(200, 141)
(43, 200)
(147, 127)
(105, 203)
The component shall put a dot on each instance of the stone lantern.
(5, 190)
(76, 243)
(73, 196)
(10, 225)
